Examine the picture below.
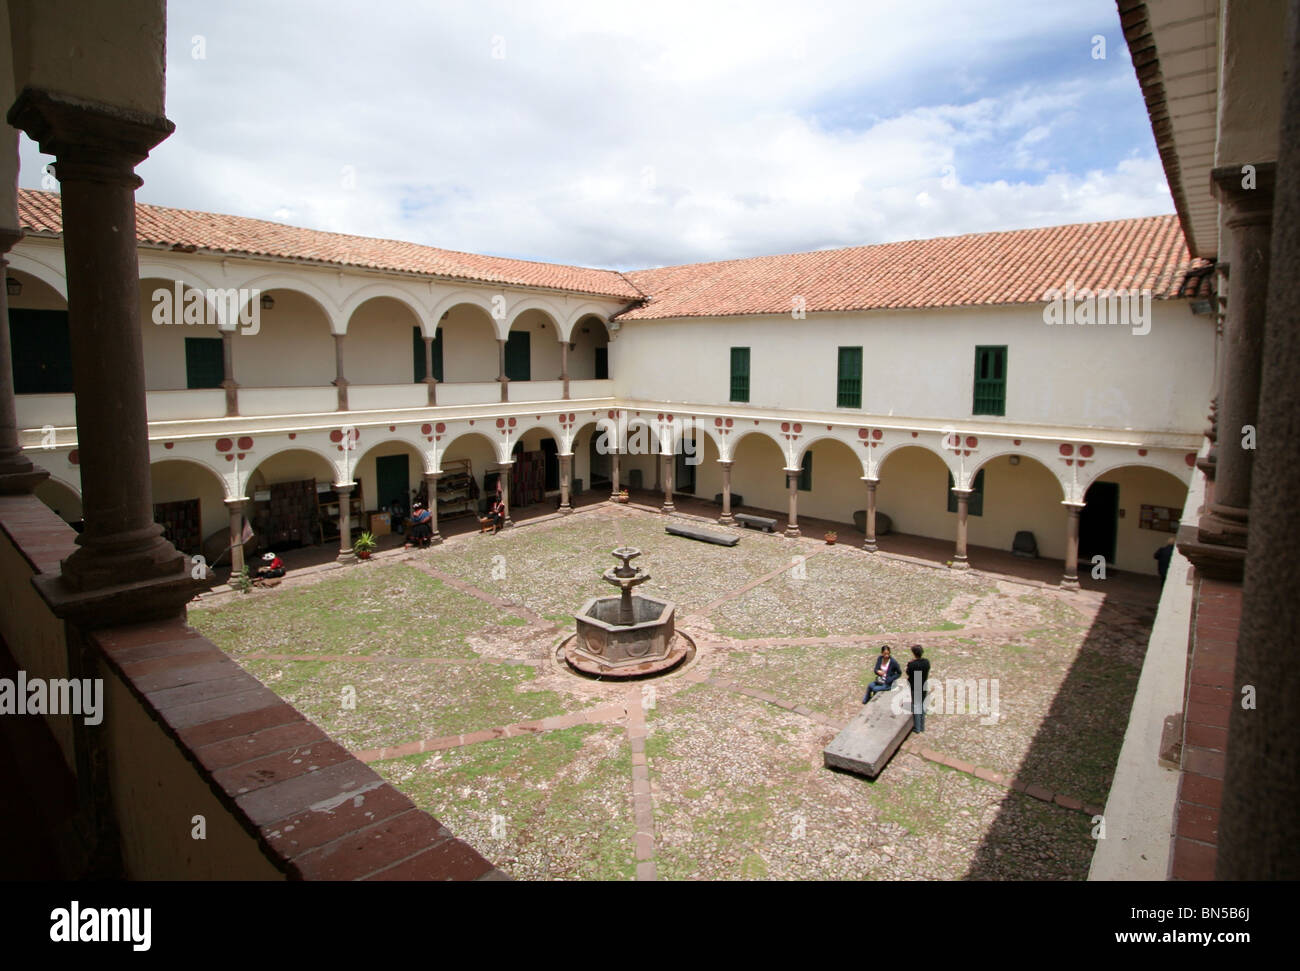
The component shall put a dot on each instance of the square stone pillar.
(959, 561)
(124, 569)
(726, 519)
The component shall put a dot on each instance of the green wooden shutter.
(990, 381)
(41, 347)
(805, 473)
(203, 362)
(417, 350)
(519, 366)
(740, 374)
(849, 384)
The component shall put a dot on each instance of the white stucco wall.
(920, 364)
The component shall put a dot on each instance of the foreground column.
(959, 561)
(792, 484)
(431, 480)
(228, 382)
(613, 475)
(1259, 828)
(431, 383)
(340, 382)
(345, 522)
(726, 519)
(124, 568)
(666, 464)
(1249, 218)
(17, 472)
(1071, 579)
(236, 507)
(869, 544)
(566, 471)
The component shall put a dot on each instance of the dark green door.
(203, 365)
(42, 351)
(393, 480)
(519, 358)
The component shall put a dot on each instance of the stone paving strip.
(389, 659)
(522, 612)
(642, 804)
(918, 748)
(592, 716)
(851, 639)
(714, 605)
(913, 744)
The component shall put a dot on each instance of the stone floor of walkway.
(438, 667)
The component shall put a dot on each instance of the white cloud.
(636, 135)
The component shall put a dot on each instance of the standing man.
(918, 676)
(1162, 556)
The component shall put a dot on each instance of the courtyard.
(438, 668)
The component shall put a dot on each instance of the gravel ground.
(738, 786)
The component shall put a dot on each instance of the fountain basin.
(602, 639)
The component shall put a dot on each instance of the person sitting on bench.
(887, 672)
(271, 568)
(421, 526)
(497, 513)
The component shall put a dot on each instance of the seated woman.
(421, 526)
(497, 513)
(887, 672)
(272, 567)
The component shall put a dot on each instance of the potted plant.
(622, 496)
(831, 537)
(365, 545)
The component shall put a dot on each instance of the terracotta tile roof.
(41, 212)
(953, 271)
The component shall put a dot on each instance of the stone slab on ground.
(705, 535)
(764, 523)
(867, 743)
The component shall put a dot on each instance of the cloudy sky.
(636, 134)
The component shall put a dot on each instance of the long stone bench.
(868, 742)
(706, 535)
(756, 522)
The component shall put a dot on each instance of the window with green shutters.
(42, 351)
(990, 381)
(203, 364)
(849, 385)
(417, 349)
(740, 374)
(519, 356)
(975, 504)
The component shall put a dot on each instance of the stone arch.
(278, 459)
(1022, 455)
(533, 302)
(60, 496)
(1122, 463)
(887, 451)
(575, 317)
(808, 442)
(474, 298)
(469, 336)
(39, 270)
(428, 324)
(379, 341)
(226, 480)
(283, 281)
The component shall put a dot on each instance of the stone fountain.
(627, 636)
